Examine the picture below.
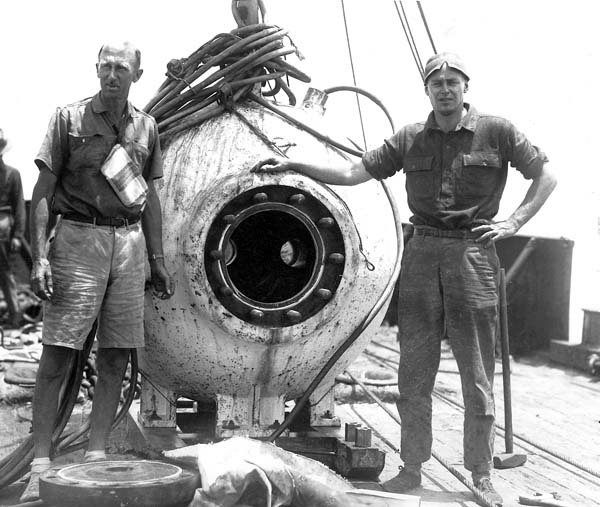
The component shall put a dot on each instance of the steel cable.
(411, 37)
(383, 297)
(362, 126)
(408, 38)
(426, 26)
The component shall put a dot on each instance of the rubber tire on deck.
(135, 483)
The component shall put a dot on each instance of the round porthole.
(274, 256)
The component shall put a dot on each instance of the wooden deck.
(556, 419)
(556, 422)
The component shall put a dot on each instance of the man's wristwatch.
(155, 257)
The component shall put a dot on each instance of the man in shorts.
(94, 268)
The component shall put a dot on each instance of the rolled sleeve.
(154, 164)
(386, 160)
(527, 158)
(51, 153)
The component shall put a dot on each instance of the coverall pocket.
(89, 150)
(419, 177)
(480, 174)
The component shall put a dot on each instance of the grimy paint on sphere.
(272, 272)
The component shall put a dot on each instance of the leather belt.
(113, 222)
(443, 233)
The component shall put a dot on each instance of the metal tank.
(273, 272)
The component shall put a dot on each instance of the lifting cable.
(339, 352)
(383, 298)
(409, 37)
(409, 34)
(426, 26)
(362, 125)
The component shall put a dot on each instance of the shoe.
(485, 488)
(94, 456)
(403, 482)
(32, 490)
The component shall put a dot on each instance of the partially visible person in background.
(12, 229)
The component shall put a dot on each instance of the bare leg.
(51, 372)
(111, 364)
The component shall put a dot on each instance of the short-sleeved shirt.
(78, 140)
(455, 180)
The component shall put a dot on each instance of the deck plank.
(553, 407)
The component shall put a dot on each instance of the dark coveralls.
(448, 282)
(12, 225)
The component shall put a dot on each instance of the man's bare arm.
(39, 221)
(540, 189)
(152, 227)
(344, 174)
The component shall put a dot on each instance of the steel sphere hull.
(221, 334)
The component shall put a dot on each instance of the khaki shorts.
(97, 272)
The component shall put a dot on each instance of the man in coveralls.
(97, 165)
(12, 229)
(456, 165)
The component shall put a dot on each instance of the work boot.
(403, 482)
(485, 487)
